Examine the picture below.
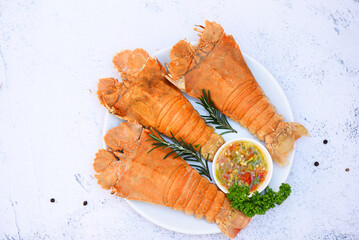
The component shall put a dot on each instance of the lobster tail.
(280, 143)
(231, 221)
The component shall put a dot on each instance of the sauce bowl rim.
(261, 147)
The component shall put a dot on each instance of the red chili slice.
(231, 148)
(246, 178)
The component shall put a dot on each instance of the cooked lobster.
(216, 64)
(145, 96)
(131, 172)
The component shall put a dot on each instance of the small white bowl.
(264, 151)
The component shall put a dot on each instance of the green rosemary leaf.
(169, 154)
(182, 149)
(226, 132)
(153, 149)
(214, 116)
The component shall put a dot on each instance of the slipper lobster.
(145, 96)
(216, 64)
(132, 171)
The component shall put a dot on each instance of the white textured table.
(51, 54)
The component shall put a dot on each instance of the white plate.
(178, 221)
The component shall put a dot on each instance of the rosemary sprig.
(214, 115)
(182, 149)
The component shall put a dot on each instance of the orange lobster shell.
(145, 96)
(216, 64)
(131, 171)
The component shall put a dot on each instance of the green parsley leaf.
(257, 204)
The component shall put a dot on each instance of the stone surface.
(53, 52)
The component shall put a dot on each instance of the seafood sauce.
(243, 162)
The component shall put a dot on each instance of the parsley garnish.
(257, 203)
